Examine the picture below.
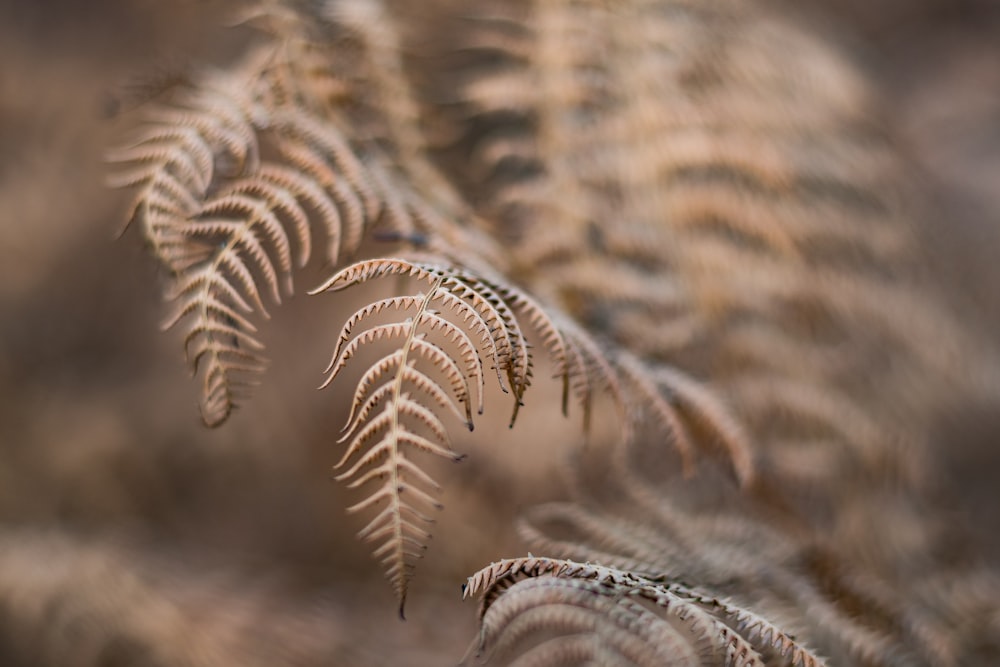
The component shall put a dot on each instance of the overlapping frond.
(181, 154)
(443, 343)
(236, 176)
(230, 224)
(651, 537)
(636, 619)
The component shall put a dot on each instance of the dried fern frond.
(235, 176)
(714, 189)
(569, 621)
(700, 187)
(222, 219)
(529, 595)
(439, 343)
(650, 529)
(649, 536)
(201, 238)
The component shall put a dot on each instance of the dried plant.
(573, 598)
(690, 209)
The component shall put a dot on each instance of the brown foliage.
(695, 218)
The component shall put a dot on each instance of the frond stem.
(397, 391)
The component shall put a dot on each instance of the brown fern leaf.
(223, 222)
(439, 351)
(386, 421)
(201, 239)
(706, 630)
(716, 190)
(234, 176)
(572, 621)
(650, 537)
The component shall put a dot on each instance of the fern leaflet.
(512, 607)
(447, 333)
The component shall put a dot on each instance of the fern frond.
(224, 222)
(396, 429)
(236, 175)
(577, 624)
(439, 354)
(651, 538)
(672, 183)
(510, 608)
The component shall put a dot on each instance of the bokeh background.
(234, 541)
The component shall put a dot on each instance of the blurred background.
(105, 468)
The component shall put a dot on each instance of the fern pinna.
(223, 221)
(386, 419)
